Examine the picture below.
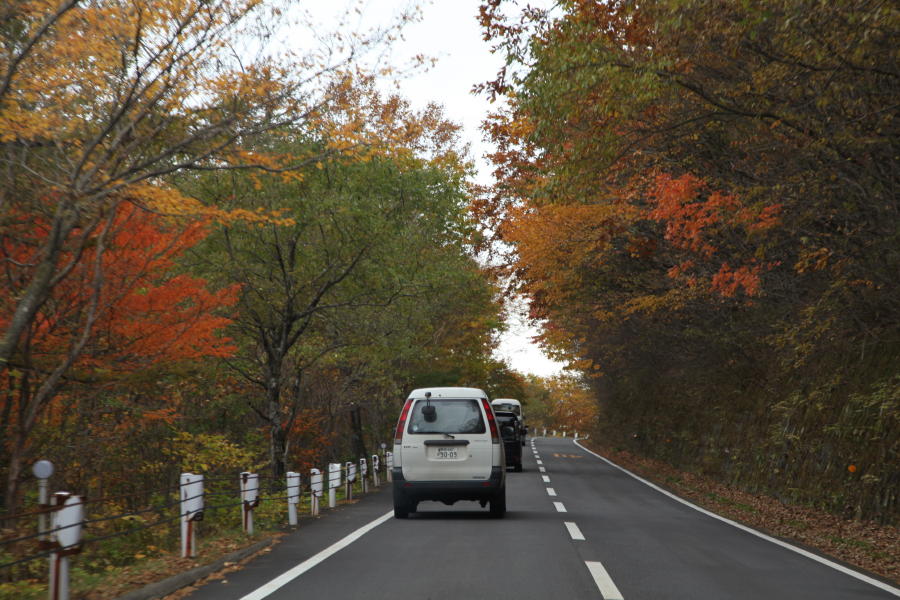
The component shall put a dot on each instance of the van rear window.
(450, 416)
(513, 408)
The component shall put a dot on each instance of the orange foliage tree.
(694, 197)
(121, 310)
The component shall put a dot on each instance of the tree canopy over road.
(701, 200)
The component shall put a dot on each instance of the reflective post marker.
(334, 481)
(389, 465)
(315, 489)
(293, 496)
(363, 473)
(249, 499)
(66, 526)
(350, 468)
(375, 466)
(191, 492)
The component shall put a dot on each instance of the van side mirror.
(430, 413)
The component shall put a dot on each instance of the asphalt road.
(604, 534)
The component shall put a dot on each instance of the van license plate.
(446, 453)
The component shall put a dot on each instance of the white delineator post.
(350, 468)
(293, 495)
(389, 466)
(66, 526)
(191, 491)
(315, 490)
(375, 466)
(545, 432)
(363, 473)
(249, 499)
(334, 481)
(42, 471)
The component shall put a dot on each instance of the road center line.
(847, 571)
(291, 574)
(551, 492)
(545, 478)
(608, 589)
(574, 531)
(560, 507)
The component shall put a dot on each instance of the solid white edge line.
(545, 478)
(574, 531)
(551, 492)
(288, 576)
(845, 570)
(608, 589)
(560, 507)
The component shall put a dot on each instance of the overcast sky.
(449, 32)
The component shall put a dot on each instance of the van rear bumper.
(448, 491)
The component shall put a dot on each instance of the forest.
(701, 201)
(216, 262)
(219, 261)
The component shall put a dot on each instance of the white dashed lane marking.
(559, 507)
(607, 588)
(542, 469)
(545, 478)
(574, 531)
(551, 492)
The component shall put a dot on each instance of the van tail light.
(402, 422)
(495, 437)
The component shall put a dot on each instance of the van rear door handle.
(446, 442)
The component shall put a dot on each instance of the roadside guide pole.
(315, 487)
(334, 480)
(67, 522)
(250, 499)
(191, 491)
(293, 496)
(351, 478)
(375, 466)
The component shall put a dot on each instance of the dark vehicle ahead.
(512, 432)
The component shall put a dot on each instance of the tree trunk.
(359, 442)
(13, 473)
(277, 434)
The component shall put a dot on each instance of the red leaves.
(143, 314)
(700, 223)
(729, 281)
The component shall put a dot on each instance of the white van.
(514, 406)
(447, 448)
